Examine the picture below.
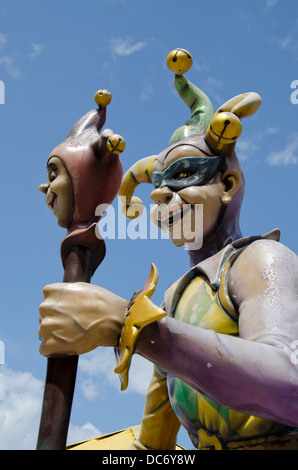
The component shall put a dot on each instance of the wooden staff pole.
(61, 371)
(99, 173)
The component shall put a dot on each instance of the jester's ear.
(225, 126)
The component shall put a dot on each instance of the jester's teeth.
(171, 217)
(51, 201)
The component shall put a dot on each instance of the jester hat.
(92, 162)
(214, 133)
(93, 165)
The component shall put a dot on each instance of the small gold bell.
(224, 129)
(102, 98)
(116, 144)
(179, 61)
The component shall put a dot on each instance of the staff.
(84, 172)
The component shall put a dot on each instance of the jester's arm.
(256, 373)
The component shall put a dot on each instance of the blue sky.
(53, 57)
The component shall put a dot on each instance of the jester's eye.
(184, 174)
(53, 175)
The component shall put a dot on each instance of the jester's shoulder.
(215, 270)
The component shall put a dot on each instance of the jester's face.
(199, 169)
(58, 191)
(187, 180)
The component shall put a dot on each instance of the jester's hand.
(77, 317)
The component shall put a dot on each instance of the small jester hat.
(84, 174)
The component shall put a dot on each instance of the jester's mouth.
(50, 199)
(172, 215)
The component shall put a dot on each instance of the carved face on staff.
(84, 171)
(58, 191)
(198, 168)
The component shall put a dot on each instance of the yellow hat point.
(102, 98)
(116, 144)
(134, 209)
(179, 61)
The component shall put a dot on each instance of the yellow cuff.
(140, 312)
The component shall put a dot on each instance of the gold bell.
(224, 129)
(179, 61)
(102, 98)
(116, 144)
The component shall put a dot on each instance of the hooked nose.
(43, 188)
(161, 195)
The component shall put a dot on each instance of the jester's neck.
(214, 243)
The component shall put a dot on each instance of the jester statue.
(222, 342)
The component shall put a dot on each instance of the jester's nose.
(161, 195)
(43, 188)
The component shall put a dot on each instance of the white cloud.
(126, 46)
(284, 43)
(212, 86)
(82, 433)
(287, 156)
(21, 397)
(270, 130)
(99, 365)
(89, 389)
(271, 3)
(247, 148)
(99, 362)
(8, 61)
(37, 49)
(3, 41)
(20, 408)
(20, 405)
(201, 66)
(140, 375)
(146, 93)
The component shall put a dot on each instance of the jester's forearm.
(248, 376)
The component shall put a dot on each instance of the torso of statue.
(207, 305)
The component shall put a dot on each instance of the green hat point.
(198, 102)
